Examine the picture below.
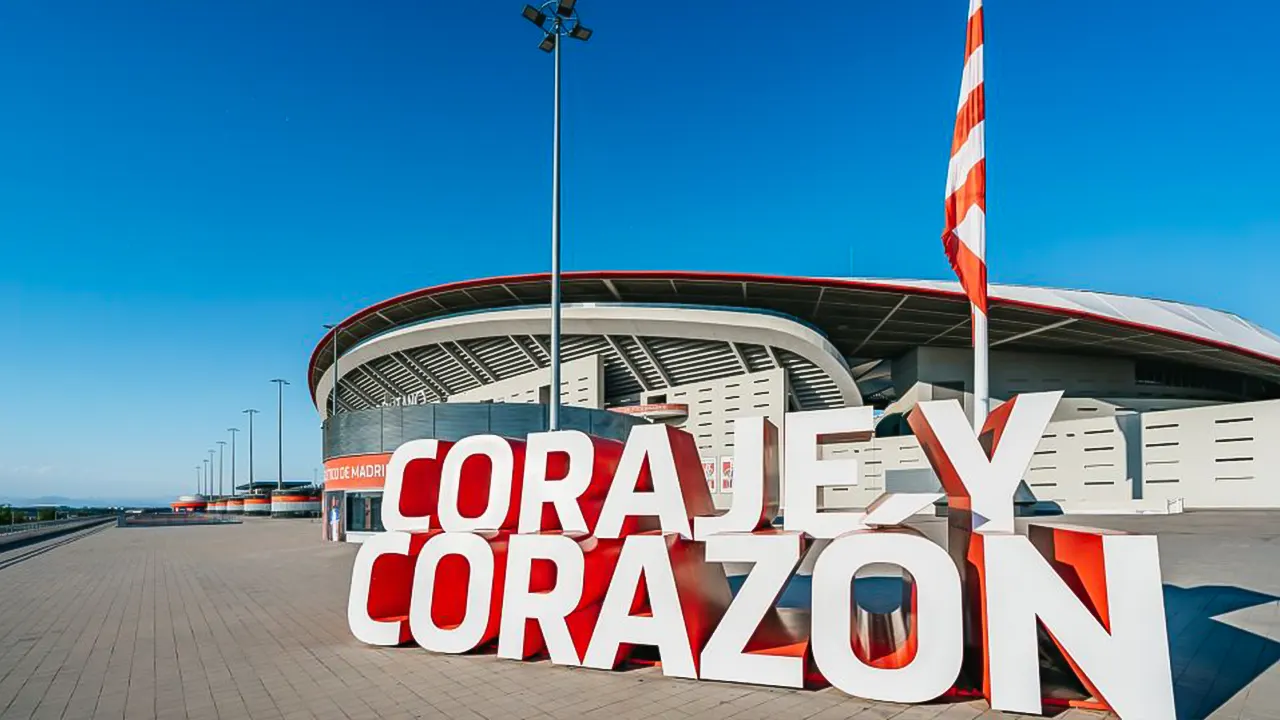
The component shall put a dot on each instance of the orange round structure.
(190, 504)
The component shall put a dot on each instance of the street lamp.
(250, 412)
(556, 19)
(280, 383)
(211, 454)
(333, 404)
(222, 446)
(199, 478)
(233, 432)
(205, 484)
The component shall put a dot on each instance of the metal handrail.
(42, 524)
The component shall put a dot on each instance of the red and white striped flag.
(965, 237)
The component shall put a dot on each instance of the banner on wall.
(356, 472)
(709, 470)
(726, 474)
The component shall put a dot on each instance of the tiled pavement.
(249, 621)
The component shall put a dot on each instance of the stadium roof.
(867, 318)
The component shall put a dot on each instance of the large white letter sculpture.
(807, 473)
(936, 617)
(580, 548)
(1108, 622)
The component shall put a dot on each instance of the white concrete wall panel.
(714, 404)
(1082, 460)
(1222, 456)
(1226, 456)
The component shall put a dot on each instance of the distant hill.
(76, 502)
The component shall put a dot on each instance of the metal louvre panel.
(618, 379)
(812, 388)
(688, 361)
(757, 357)
(573, 347)
(458, 356)
(393, 426)
(376, 389)
(442, 366)
(638, 359)
(308, 506)
(416, 421)
(500, 356)
(399, 376)
(366, 388)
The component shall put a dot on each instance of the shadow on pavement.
(1213, 660)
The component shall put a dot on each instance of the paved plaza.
(248, 621)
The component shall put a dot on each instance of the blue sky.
(188, 190)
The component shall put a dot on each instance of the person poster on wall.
(333, 502)
(726, 474)
(709, 469)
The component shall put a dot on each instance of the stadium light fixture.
(222, 446)
(250, 412)
(280, 383)
(556, 18)
(233, 432)
(534, 15)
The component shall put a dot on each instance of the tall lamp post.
(204, 487)
(199, 480)
(556, 19)
(280, 383)
(211, 454)
(250, 412)
(233, 432)
(333, 404)
(222, 446)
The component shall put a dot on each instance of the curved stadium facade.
(1164, 404)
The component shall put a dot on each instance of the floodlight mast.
(556, 19)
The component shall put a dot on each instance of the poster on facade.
(332, 513)
(709, 469)
(726, 474)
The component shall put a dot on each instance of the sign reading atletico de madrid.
(580, 550)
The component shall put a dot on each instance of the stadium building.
(1166, 405)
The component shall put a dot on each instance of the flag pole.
(965, 235)
(981, 391)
